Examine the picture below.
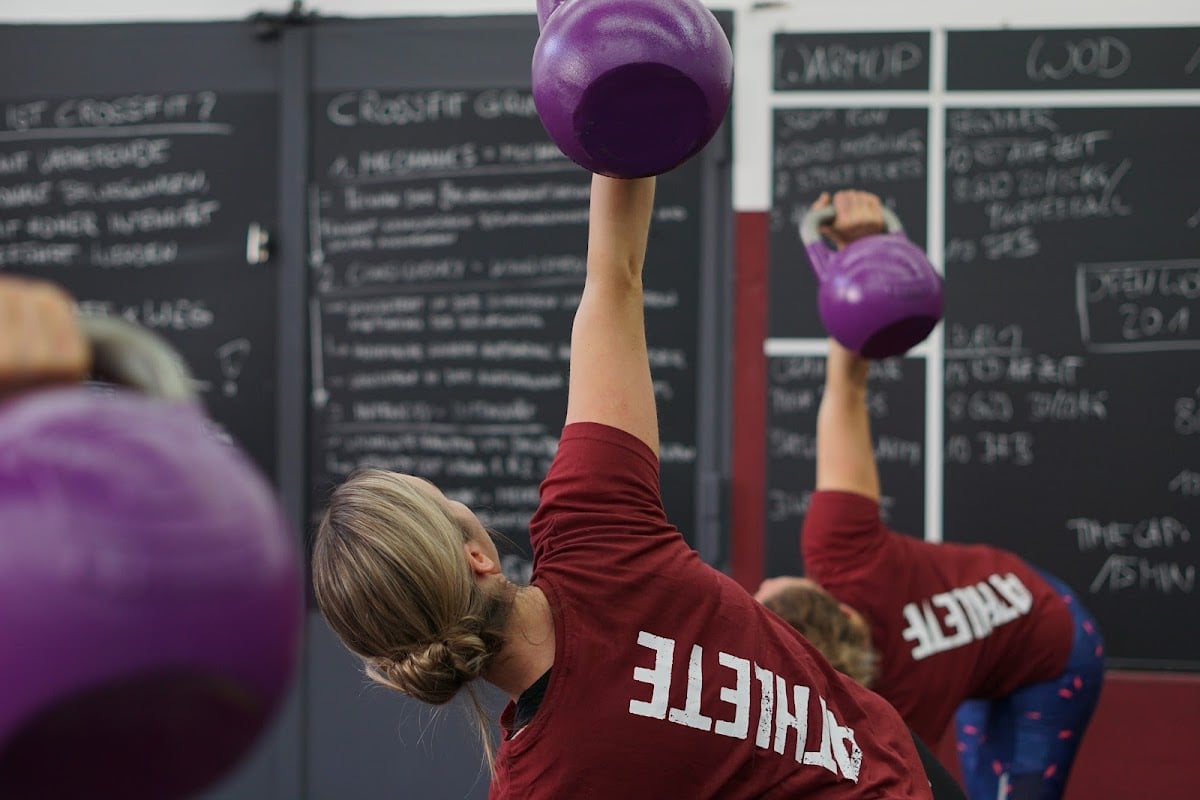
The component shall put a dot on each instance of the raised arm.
(610, 369)
(845, 452)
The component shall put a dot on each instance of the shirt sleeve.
(601, 477)
(842, 530)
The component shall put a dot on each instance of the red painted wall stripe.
(1143, 740)
(749, 398)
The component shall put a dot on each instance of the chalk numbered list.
(896, 405)
(448, 257)
(146, 206)
(1072, 373)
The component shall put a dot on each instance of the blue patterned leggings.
(1020, 747)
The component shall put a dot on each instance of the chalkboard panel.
(896, 402)
(881, 150)
(1067, 60)
(448, 253)
(1072, 372)
(806, 62)
(140, 196)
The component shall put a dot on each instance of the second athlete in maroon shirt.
(949, 621)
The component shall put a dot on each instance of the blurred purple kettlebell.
(631, 88)
(151, 595)
(879, 296)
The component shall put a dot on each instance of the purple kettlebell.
(631, 88)
(151, 590)
(879, 296)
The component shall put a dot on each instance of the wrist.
(846, 371)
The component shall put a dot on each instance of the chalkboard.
(851, 61)
(1072, 373)
(896, 404)
(882, 150)
(448, 252)
(1065, 60)
(1070, 350)
(140, 190)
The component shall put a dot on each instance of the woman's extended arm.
(610, 370)
(845, 452)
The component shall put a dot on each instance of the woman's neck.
(528, 644)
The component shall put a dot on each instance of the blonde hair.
(817, 615)
(391, 578)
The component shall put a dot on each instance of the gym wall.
(1040, 469)
(964, 451)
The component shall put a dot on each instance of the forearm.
(845, 452)
(610, 371)
(845, 371)
(619, 228)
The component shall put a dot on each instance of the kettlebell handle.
(544, 9)
(810, 226)
(129, 355)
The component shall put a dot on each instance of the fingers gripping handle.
(819, 253)
(129, 355)
(810, 226)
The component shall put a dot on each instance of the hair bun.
(435, 671)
